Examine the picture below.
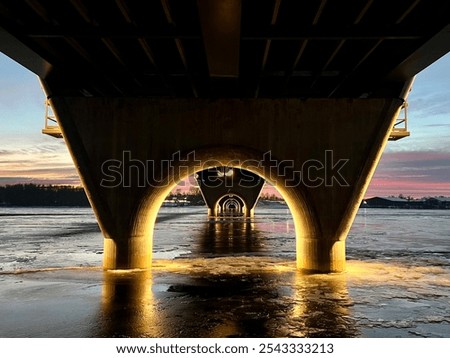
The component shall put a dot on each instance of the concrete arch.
(230, 204)
(306, 228)
(313, 142)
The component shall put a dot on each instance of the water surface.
(223, 279)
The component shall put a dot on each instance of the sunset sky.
(418, 165)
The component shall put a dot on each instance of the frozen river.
(224, 279)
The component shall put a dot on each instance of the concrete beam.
(221, 30)
(17, 50)
(424, 56)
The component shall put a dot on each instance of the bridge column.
(320, 154)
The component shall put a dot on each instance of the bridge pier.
(319, 153)
(230, 191)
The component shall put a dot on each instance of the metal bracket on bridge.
(51, 126)
(400, 129)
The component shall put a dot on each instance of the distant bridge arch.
(231, 205)
(220, 183)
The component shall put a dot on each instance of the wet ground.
(212, 279)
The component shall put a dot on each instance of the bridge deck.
(278, 48)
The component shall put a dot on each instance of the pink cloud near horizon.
(414, 173)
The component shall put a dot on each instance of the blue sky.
(26, 155)
(418, 165)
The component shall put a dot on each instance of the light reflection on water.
(197, 301)
(265, 297)
(226, 279)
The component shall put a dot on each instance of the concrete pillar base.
(131, 253)
(320, 256)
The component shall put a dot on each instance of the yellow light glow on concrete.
(304, 223)
(322, 215)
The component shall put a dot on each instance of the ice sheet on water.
(397, 279)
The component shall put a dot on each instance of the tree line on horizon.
(42, 195)
(64, 195)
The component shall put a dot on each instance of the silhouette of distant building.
(440, 202)
(391, 202)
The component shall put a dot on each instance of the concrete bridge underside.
(322, 167)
